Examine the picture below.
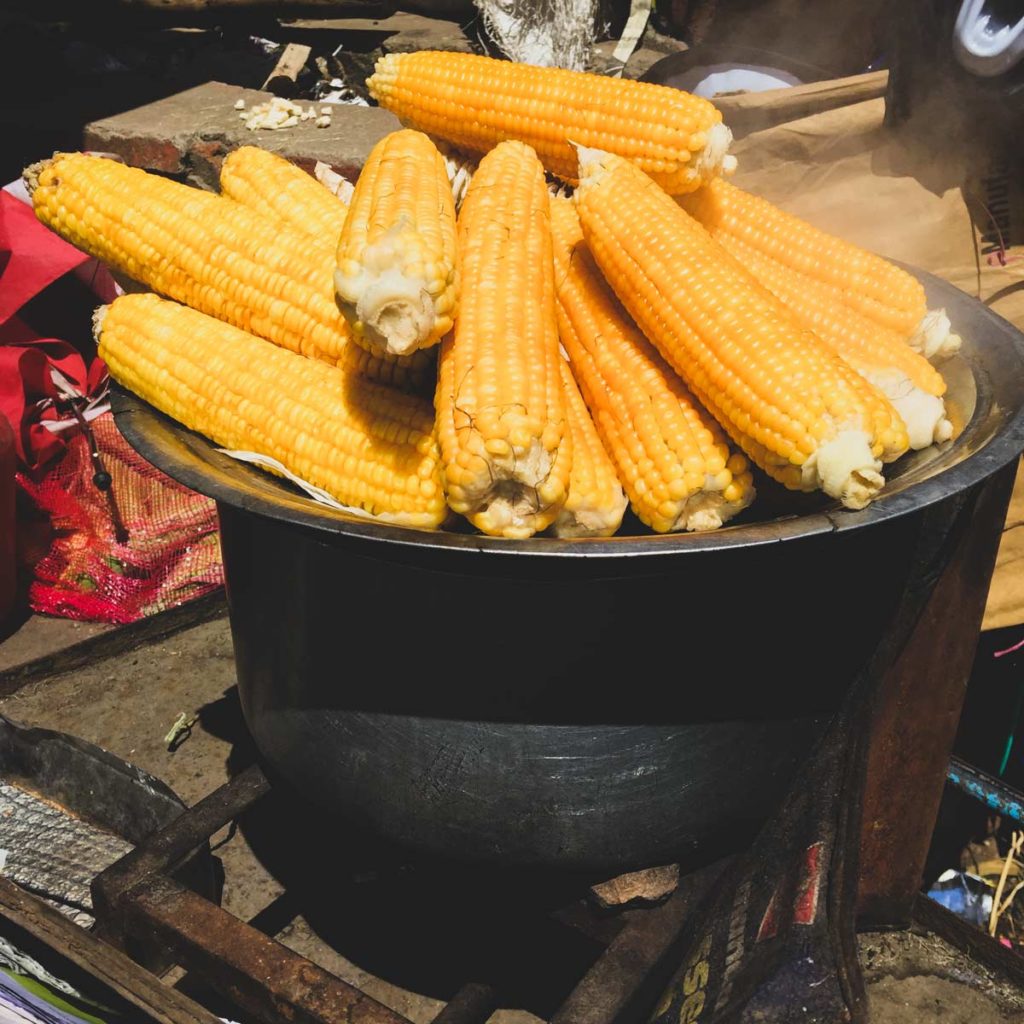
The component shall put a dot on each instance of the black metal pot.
(588, 704)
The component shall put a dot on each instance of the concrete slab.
(404, 31)
(40, 636)
(43, 645)
(189, 134)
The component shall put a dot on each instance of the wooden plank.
(115, 970)
(753, 111)
(258, 974)
(640, 959)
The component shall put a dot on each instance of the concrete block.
(411, 32)
(401, 32)
(189, 134)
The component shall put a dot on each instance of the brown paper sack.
(823, 153)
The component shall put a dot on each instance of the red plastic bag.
(168, 551)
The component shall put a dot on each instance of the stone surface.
(651, 885)
(433, 30)
(414, 32)
(916, 999)
(41, 645)
(189, 134)
(914, 976)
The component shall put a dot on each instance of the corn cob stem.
(933, 337)
(923, 413)
(397, 276)
(501, 418)
(460, 166)
(368, 446)
(799, 411)
(670, 454)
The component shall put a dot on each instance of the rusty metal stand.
(917, 709)
(137, 898)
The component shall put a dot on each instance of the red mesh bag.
(144, 545)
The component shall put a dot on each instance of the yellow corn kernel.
(273, 186)
(670, 454)
(825, 265)
(212, 254)
(596, 502)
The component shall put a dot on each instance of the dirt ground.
(924, 998)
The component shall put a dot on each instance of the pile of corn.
(536, 362)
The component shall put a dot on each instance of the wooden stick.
(282, 80)
(1009, 899)
(1015, 847)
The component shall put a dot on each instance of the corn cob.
(476, 102)
(212, 254)
(669, 452)
(802, 414)
(881, 356)
(278, 189)
(824, 266)
(501, 422)
(878, 353)
(368, 446)
(595, 503)
(397, 277)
